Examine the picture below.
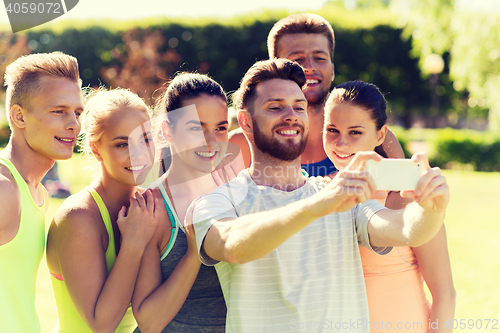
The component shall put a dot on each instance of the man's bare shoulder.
(10, 203)
(236, 134)
(237, 137)
(7, 181)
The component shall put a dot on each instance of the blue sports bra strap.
(174, 221)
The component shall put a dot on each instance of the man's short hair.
(263, 71)
(305, 23)
(23, 76)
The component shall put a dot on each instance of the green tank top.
(19, 262)
(69, 320)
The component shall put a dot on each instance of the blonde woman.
(98, 235)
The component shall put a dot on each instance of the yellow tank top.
(19, 262)
(69, 320)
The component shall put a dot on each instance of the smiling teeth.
(206, 154)
(65, 140)
(343, 156)
(135, 168)
(288, 132)
(312, 81)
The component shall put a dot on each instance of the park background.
(438, 61)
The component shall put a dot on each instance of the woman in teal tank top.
(173, 294)
(97, 238)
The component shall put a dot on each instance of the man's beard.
(274, 148)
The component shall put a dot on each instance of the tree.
(475, 64)
(427, 22)
(12, 46)
(141, 65)
(472, 40)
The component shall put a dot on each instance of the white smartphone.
(394, 174)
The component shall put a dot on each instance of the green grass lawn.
(473, 230)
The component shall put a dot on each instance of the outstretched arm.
(253, 236)
(434, 262)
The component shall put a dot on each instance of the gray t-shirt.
(313, 281)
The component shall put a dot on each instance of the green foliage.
(4, 134)
(144, 54)
(464, 147)
(372, 13)
(451, 148)
(12, 46)
(378, 55)
(89, 46)
(143, 59)
(147, 58)
(472, 40)
(428, 23)
(475, 64)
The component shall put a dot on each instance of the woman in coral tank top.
(355, 117)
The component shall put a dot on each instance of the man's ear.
(17, 113)
(333, 72)
(95, 151)
(166, 131)
(246, 123)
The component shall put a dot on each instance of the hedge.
(447, 148)
(373, 52)
(450, 148)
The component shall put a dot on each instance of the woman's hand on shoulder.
(138, 224)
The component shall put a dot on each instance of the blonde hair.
(101, 105)
(23, 76)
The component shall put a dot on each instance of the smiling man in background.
(309, 40)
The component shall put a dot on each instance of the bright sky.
(126, 9)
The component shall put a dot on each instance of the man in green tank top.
(43, 105)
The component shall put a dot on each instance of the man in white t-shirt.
(285, 246)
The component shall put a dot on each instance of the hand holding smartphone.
(393, 174)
